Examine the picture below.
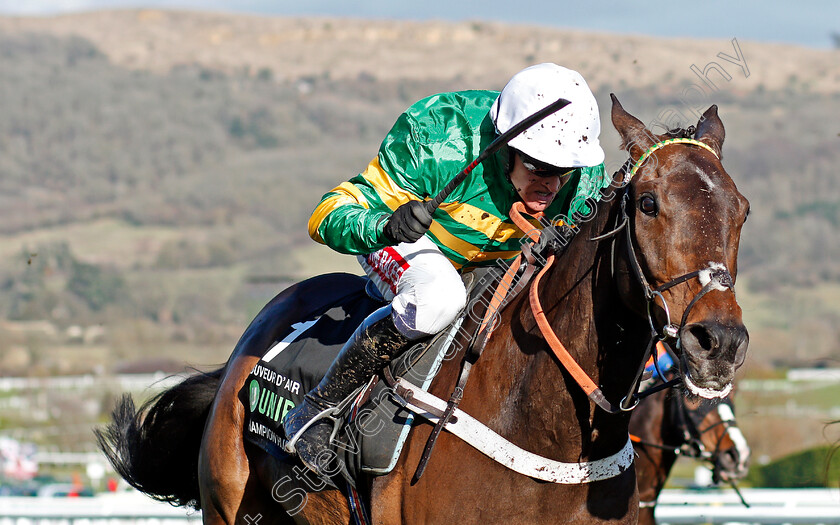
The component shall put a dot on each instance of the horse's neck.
(582, 301)
(542, 405)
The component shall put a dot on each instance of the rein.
(716, 276)
(690, 421)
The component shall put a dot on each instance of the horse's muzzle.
(728, 466)
(711, 352)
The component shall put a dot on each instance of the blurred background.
(158, 163)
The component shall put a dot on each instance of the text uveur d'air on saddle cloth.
(283, 375)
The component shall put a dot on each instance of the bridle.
(548, 243)
(716, 276)
(688, 422)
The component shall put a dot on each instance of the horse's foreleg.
(386, 498)
(652, 469)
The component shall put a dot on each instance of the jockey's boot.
(370, 349)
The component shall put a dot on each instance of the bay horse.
(660, 246)
(663, 428)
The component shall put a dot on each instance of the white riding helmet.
(567, 138)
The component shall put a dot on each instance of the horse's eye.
(647, 204)
(747, 215)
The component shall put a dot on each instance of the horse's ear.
(710, 129)
(635, 137)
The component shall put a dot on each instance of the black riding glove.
(408, 223)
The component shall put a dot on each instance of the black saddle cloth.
(297, 357)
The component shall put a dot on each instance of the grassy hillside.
(157, 177)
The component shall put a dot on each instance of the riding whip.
(493, 147)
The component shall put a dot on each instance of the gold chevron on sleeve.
(344, 193)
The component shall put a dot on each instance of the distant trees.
(185, 254)
(81, 137)
(98, 287)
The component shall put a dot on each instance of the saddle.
(374, 424)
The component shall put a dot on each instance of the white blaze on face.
(705, 276)
(735, 434)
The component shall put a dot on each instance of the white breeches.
(425, 290)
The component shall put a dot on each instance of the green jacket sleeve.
(349, 219)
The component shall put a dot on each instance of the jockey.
(414, 258)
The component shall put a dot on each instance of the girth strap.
(499, 449)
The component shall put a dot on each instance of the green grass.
(803, 394)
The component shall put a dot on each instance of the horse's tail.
(155, 449)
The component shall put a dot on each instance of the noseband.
(715, 276)
(690, 421)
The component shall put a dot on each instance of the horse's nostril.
(704, 338)
(732, 456)
(712, 338)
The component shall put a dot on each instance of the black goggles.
(542, 169)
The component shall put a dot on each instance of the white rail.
(767, 507)
(676, 507)
(114, 509)
(125, 382)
